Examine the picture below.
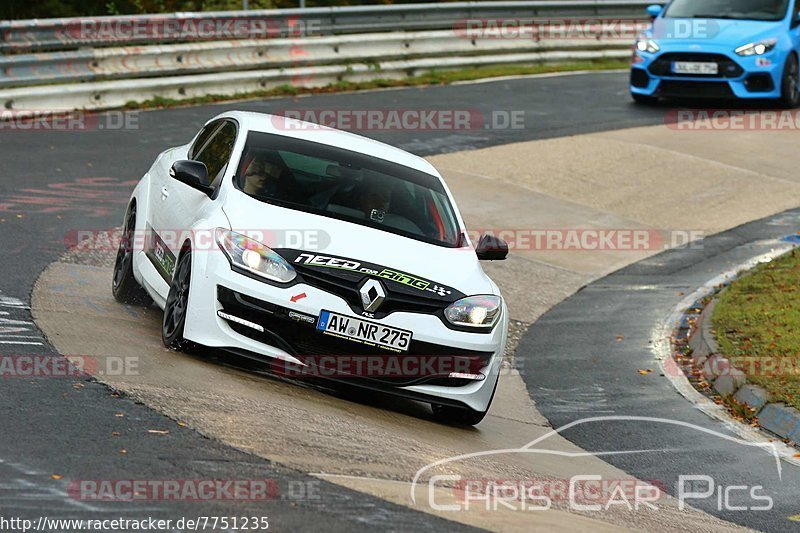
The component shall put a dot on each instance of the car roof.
(275, 124)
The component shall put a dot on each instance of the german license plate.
(694, 67)
(361, 331)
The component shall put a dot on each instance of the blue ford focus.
(745, 49)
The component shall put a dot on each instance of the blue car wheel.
(790, 85)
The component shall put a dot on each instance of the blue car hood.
(715, 32)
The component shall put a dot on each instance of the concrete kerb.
(713, 374)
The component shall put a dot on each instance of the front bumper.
(290, 341)
(752, 77)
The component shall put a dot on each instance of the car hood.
(292, 232)
(712, 32)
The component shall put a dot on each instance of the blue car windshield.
(767, 10)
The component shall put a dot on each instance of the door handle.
(164, 193)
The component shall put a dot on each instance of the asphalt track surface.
(588, 350)
(57, 181)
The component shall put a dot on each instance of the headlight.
(474, 311)
(757, 49)
(647, 45)
(254, 257)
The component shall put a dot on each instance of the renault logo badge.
(372, 295)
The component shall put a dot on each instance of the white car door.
(157, 224)
(181, 205)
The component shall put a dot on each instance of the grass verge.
(757, 325)
(431, 78)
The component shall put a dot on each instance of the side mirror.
(654, 10)
(192, 173)
(491, 248)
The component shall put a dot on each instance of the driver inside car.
(261, 177)
(264, 178)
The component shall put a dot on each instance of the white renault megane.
(328, 254)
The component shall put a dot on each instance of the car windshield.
(771, 10)
(346, 185)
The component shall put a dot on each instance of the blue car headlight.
(647, 45)
(479, 312)
(252, 256)
(757, 48)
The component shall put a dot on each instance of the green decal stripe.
(409, 280)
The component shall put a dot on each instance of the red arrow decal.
(298, 297)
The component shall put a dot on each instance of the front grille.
(727, 67)
(639, 78)
(348, 291)
(694, 89)
(303, 341)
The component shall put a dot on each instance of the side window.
(217, 152)
(202, 138)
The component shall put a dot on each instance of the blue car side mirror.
(654, 10)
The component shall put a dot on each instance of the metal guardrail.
(74, 33)
(305, 48)
(112, 94)
(226, 56)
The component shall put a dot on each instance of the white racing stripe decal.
(15, 327)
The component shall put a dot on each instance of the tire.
(642, 99)
(177, 306)
(124, 286)
(790, 83)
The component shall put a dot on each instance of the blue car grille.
(694, 89)
(727, 67)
